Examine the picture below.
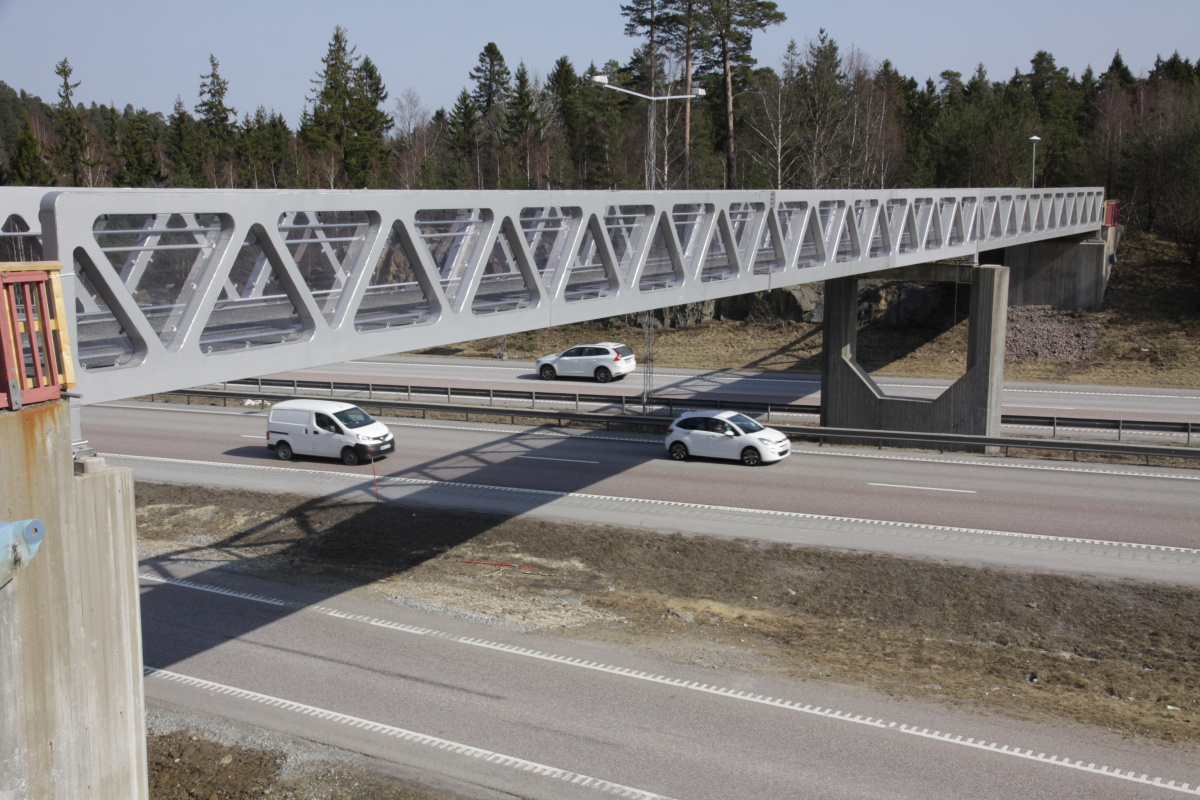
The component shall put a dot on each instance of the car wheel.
(679, 451)
(751, 457)
(603, 375)
(284, 451)
(350, 456)
(547, 372)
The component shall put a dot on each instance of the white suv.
(725, 434)
(602, 361)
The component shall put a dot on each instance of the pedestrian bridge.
(176, 288)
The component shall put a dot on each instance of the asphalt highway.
(1097, 519)
(526, 716)
(1064, 400)
(496, 713)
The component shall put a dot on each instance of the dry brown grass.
(1149, 336)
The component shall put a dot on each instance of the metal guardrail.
(943, 441)
(671, 403)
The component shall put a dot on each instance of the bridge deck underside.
(179, 288)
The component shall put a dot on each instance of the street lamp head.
(699, 92)
(1035, 138)
(600, 79)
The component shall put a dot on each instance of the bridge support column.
(850, 398)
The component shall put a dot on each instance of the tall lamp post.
(1033, 169)
(651, 158)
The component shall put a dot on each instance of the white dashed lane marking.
(922, 488)
(695, 686)
(445, 745)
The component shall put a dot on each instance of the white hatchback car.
(725, 434)
(602, 361)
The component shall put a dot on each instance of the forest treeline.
(823, 117)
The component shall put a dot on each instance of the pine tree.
(217, 124)
(730, 25)
(184, 148)
(72, 154)
(490, 96)
(463, 124)
(366, 146)
(522, 123)
(682, 30)
(28, 167)
(137, 144)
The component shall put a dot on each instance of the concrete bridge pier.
(1070, 272)
(850, 398)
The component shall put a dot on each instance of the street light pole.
(1033, 169)
(651, 155)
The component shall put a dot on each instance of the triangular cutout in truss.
(546, 231)
(1039, 217)
(162, 260)
(880, 243)
(935, 235)
(1026, 216)
(991, 216)
(691, 221)
(395, 296)
(326, 246)
(591, 274)
(660, 270)
(791, 216)
(450, 236)
(101, 340)
(969, 211)
(1073, 200)
(768, 257)
(744, 219)
(626, 228)
(848, 248)
(718, 261)
(957, 235)
(1010, 227)
(1064, 211)
(502, 285)
(254, 309)
(14, 247)
(812, 244)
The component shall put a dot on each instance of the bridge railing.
(35, 350)
(175, 288)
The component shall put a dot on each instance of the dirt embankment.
(1114, 654)
(1147, 334)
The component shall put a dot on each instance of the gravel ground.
(1049, 334)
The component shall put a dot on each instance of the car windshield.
(354, 417)
(745, 423)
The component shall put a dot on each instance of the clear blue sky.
(146, 53)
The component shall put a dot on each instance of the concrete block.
(71, 702)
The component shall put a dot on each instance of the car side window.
(717, 426)
(326, 423)
(690, 424)
(574, 352)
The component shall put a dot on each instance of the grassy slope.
(1149, 336)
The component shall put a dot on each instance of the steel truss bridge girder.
(478, 264)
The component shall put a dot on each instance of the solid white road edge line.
(668, 504)
(679, 683)
(511, 762)
(923, 488)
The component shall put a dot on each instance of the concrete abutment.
(72, 721)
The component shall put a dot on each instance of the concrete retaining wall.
(72, 721)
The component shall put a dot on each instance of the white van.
(326, 428)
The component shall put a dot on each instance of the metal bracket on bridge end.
(19, 542)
